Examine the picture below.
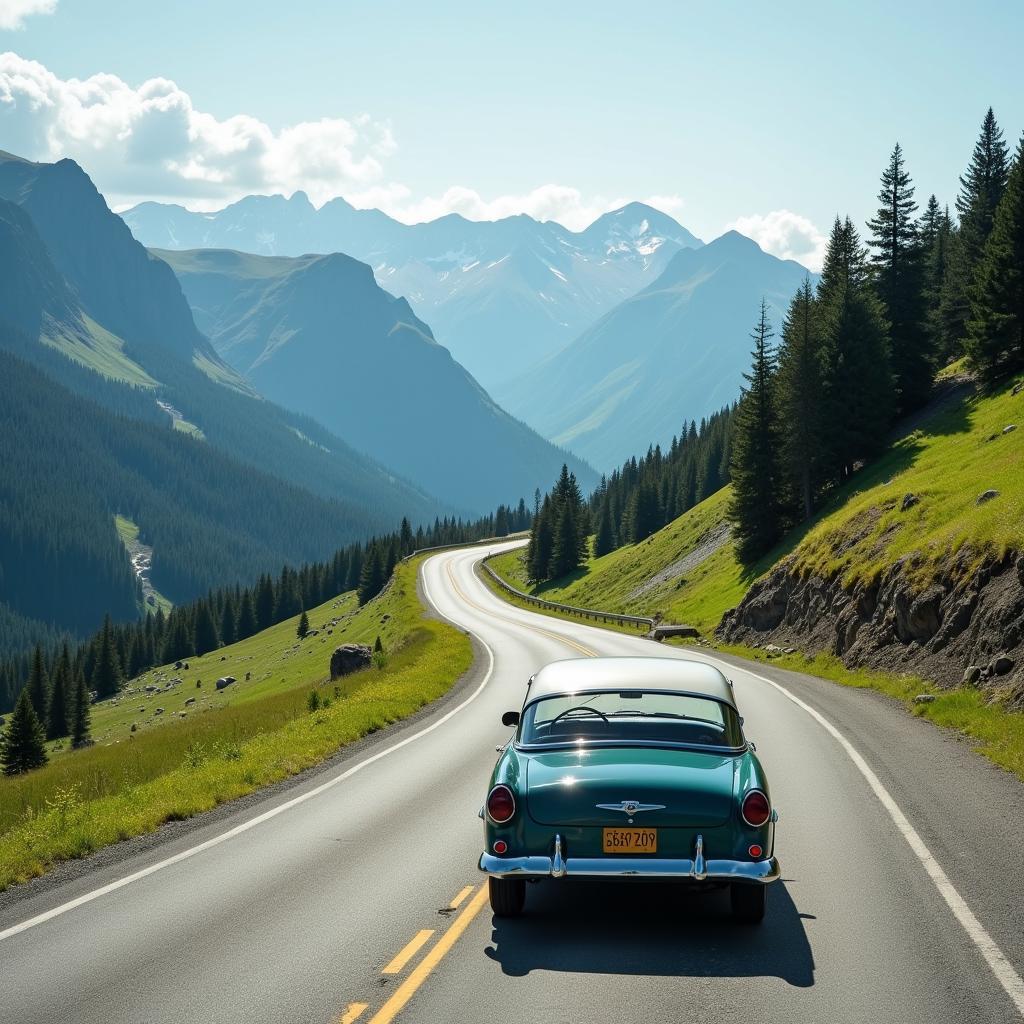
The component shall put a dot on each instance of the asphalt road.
(902, 855)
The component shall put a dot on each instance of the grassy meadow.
(196, 755)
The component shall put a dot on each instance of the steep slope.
(674, 352)
(912, 567)
(502, 295)
(73, 278)
(128, 291)
(68, 466)
(316, 333)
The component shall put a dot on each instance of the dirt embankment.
(965, 627)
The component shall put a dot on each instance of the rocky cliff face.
(966, 626)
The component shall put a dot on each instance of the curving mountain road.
(353, 895)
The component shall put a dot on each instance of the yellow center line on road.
(352, 1012)
(411, 948)
(408, 988)
(463, 893)
(585, 651)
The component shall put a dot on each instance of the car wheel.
(748, 902)
(507, 896)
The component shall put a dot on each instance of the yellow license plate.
(630, 840)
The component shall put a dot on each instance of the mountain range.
(87, 290)
(500, 295)
(115, 404)
(674, 352)
(319, 335)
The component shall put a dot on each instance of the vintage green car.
(629, 768)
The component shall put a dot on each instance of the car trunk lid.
(691, 787)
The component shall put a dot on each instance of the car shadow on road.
(651, 929)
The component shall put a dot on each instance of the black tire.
(507, 896)
(748, 902)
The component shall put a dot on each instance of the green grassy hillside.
(949, 459)
(624, 581)
(208, 746)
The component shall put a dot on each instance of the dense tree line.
(68, 465)
(60, 684)
(631, 504)
(863, 347)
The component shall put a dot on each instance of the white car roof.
(677, 675)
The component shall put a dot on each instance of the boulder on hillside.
(225, 681)
(350, 658)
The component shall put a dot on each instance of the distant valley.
(501, 295)
(319, 335)
(674, 352)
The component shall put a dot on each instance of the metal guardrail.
(583, 613)
(467, 544)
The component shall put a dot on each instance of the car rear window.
(630, 716)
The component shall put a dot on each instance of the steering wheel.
(582, 707)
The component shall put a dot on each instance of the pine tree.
(60, 697)
(899, 283)
(644, 513)
(981, 188)
(371, 579)
(800, 399)
(995, 337)
(755, 510)
(289, 600)
(303, 627)
(180, 642)
(107, 674)
(23, 746)
(538, 552)
(228, 626)
(858, 388)
(936, 236)
(604, 540)
(565, 549)
(80, 714)
(265, 603)
(501, 522)
(247, 624)
(207, 637)
(38, 685)
(405, 541)
(928, 225)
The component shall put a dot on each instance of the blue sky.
(771, 116)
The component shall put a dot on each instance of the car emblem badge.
(630, 807)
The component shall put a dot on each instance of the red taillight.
(500, 847)
(755, 851)
(756, 809)
(501, 804)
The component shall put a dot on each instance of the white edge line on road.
(260, 818)
(996, 959)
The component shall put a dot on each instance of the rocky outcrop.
(964, 627)
(350, 658)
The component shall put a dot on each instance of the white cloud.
(14, 12)
(562, 203)
(785, 234)
(151, 141)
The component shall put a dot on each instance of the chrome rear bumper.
(695, 869)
